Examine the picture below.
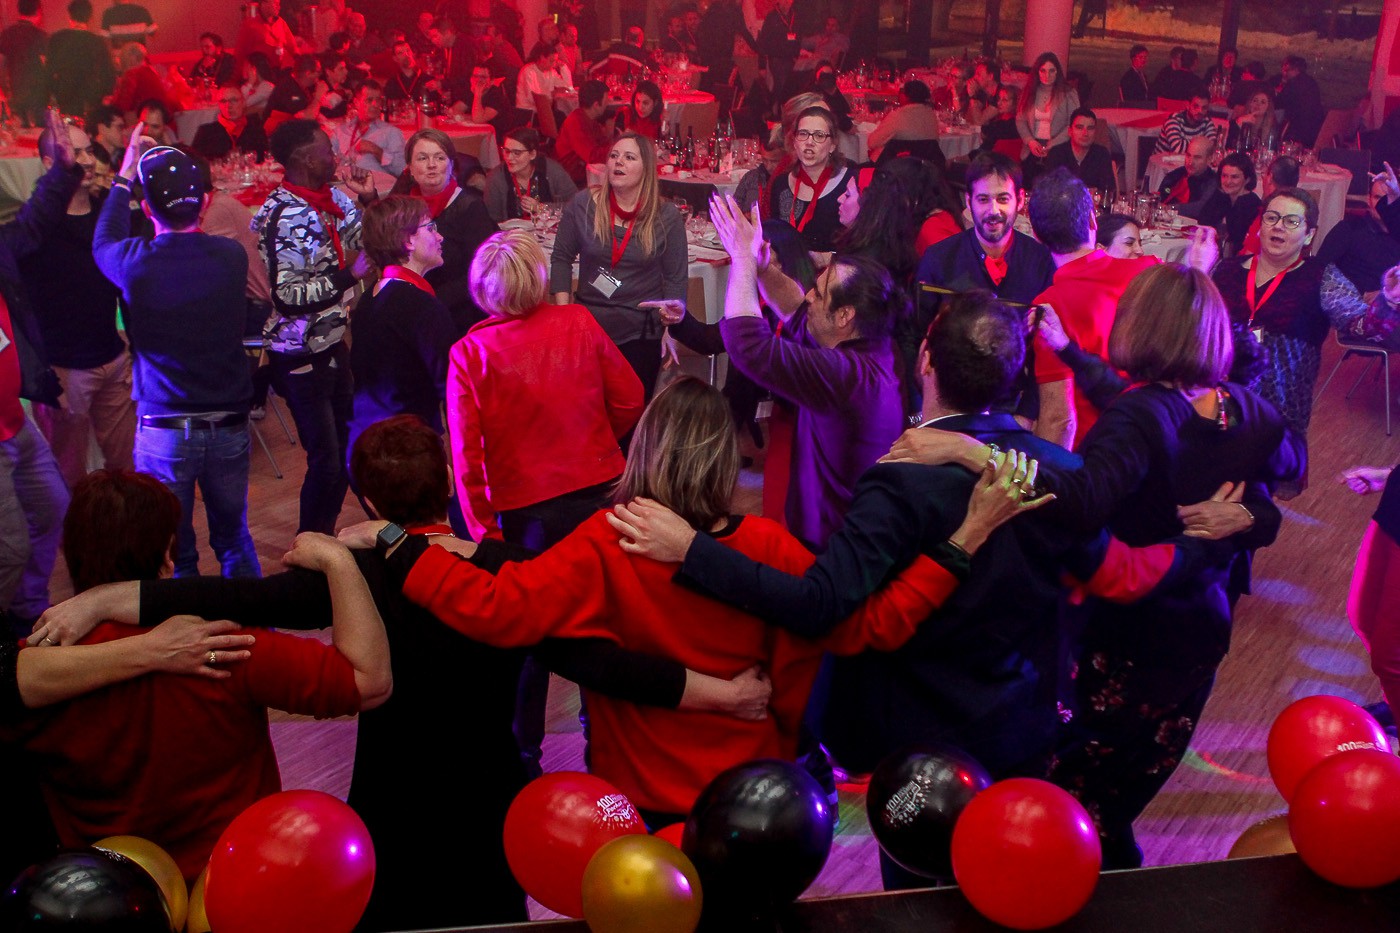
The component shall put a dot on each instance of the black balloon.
(914, 800)
(758, 834)
(86, 891)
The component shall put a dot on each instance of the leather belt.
(192, 422)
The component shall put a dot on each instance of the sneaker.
(257, 413)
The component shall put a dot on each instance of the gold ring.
(46, 639)
(213, 659)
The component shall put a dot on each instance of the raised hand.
(62, 139)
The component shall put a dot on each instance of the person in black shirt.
(22, 47)
(1133, 88)
(1235, 206)
(1178, 81)
(1300, 99)
(299, 92)
(1364, 248)
(80, 65)
(408, 82)
(1086, 159)
(714, 39)
(233, 128)
(779, 43)
(214, 64)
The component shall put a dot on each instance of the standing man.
(1300, 99)
(185, 316)
(778, 42)
(269, 34)
(722, 23)
(33, 498)
(306, 228)
(80, 63)
(76, 307)
(214, 63)
(22, 49)
(364, 139)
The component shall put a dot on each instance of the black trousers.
(320, 393)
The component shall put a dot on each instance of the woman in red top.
(684, 455)
(644, 116)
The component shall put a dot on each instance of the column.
(1047, 29)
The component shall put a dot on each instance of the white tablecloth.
(954, 141)
(474, 139)
(1126, 137)
(1327, 184)
(19, 173)
(188, 122)
(1166, 246)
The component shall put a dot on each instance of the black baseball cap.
(172, 183)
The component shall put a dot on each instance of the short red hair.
(119, 527)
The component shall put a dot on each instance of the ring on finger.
(213, 658)
(46, 640)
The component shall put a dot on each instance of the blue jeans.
(320, 392)
(33, 500)
(218, 461)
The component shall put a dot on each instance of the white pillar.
(1385, 82)
(533, 11)
(1047, 29)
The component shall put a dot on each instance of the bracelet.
(117, 180)
(1246, 511)
(959, 548)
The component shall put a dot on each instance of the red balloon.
(554, 827)
(1345, 818)
(295, 861)
(1315, 728)
(671, 834)
(1026, 854)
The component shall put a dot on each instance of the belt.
(192, 422)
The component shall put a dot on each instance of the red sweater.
(581, 140)
(587, 586)
(138, 85)
(174, 759)
(1085, 295)
(11, 412)
(937, 227)
(535, 405)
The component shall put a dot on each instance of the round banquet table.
(20, 169)
(188, 122)
(1327, 184)
(953, 140)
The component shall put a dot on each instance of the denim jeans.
(218, 461)
(33, 500)
(320, 392)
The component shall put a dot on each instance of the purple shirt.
(849, 412)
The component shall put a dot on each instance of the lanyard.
(803, 179)
(525, 193)
(619, 248)
(1268, 292)
(405, 274)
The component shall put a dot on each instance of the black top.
(213, 142)
(1176, 84)
(1134, 89)
(464, 224)
(1361, 250)
(1235, 217)
(23, 45)
(399, 356)
(80, 70)
(1096, 171)
(399, 87)
(958, 263)
(999, 128)
(722, 22)
(820, 232)
(221, 70)
(1200, 189)
(778, 37)
(288, 97)
(1301, 103)
(75, 303)
(449, 719)
(1295, 308)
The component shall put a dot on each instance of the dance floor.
(1291, 639)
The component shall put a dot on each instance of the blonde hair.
(508, 273)
(1173, 326)
(684, 454)
(648, 204)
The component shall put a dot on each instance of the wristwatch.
(388, 536)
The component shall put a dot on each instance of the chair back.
(1335, 124)
(699, 118)
(1356, 161)
(1166, 103)
(926, 149)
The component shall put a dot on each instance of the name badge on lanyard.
(606, 283)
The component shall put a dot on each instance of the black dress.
(436, 766)
(1146, 670)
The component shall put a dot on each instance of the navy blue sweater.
(184, 314)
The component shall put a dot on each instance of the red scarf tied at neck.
(437, 203)
(321, 199)
(405, 274)
(233, 129)
(800, 178)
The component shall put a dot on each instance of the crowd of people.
(920, 370)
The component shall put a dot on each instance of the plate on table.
(518, 223)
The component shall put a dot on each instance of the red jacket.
(138, 85)
(535, 405)
(587, 586)
(174, 759)
(1085, 295)
(582, 141)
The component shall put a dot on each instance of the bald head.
(1199, 153)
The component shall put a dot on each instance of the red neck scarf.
(437, 203)
(430, 528)
(234, 130)
(324, 203)
(1181, 192)
(801, 178)
(627, 217)
(405, 274)
(996, 266)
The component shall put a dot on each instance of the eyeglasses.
(819, 136)
(1273, 218)
(430, 226)
(514, 152)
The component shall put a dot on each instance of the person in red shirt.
(1088, 283)
(138, 83)
(583, 136)
(684, 455)
(174, 759)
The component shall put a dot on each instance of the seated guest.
(1085, 159)
(627, 55)
(483, 101)
(139, 82)
(584, 137)
(1000, 125)
(336, 101)
(1254, 77)
(215, 65)
(644, 115)
(106, 125)
(913, 119)
(676, 40)
(502, 58)
(298, 93)
(408, 82)
(570, 53)
(402, 331)
(1133, 88)
(1257, 127)
(1226, 67)
(808, 196)
(526, 179)
(232, 129)
(1283, 172)
(259, 81)
(119, 760)
(1120, 236)
(980, 92)
(535, 87)
(364, 139)
(1233, 208)
(825, 85)
(1189, 188)
(1300, 99)
(1365, 248)
(829, 45)
(154, 116)
(1178, 80)
(451, 59)
(753, 187)
(1185, 125)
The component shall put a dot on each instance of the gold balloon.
(160, 866)
(641, 884)
(1269, 836)
(197, 922)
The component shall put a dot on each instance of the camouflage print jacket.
(308, 281)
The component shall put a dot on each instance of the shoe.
(257, 413)
(1382, 714)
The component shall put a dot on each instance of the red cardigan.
(587, 586)
(174, 759)
(535, 405)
